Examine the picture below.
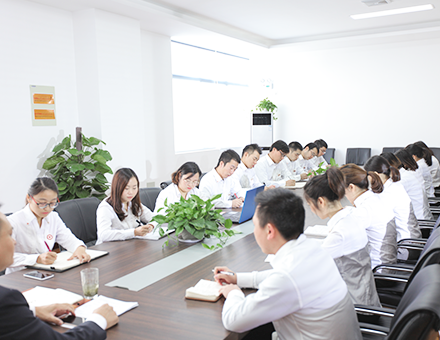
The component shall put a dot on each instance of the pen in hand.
(223, 272)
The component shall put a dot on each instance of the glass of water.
(90, 282)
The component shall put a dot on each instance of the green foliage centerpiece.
(322, 169)
(198, 218)
(79, 173)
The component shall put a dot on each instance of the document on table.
(41, 296)
(155, 235)
(120, 307)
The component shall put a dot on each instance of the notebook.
(204, 290)
(248, 209)
(61, 264)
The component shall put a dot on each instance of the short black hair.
(295, 146)
(283, 209)
(228, 156)
(251, 148)
(321, 143)
(312, 146)
(280, 145)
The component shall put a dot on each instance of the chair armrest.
(382, 311)
(421, 241)
(367, 328)
(403, 267)
(390, 277)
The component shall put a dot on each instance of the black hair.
(41, 184)
(330, 185)
(381, 166)
(228, 156)
(355, 175)
(283, 209)
(280, 145)
(419, 152)
(250, 149)
(407, 160)
(427, 152)
(321, 143)
(312, 146)
(295, 146)
(186, 168)
(392, 159)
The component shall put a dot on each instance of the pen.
(235, 195)
(47, 246)
(226, 273)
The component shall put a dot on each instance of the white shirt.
(423, 169)
(434, 170)
(318, 160)
(267, 173)
(212, 184)
(110, 228)
(382, 247)
(291, 295)
(246, 177)
(289, 169)
(415, 187)
(394, 194)
(304, 165)
(31, 239)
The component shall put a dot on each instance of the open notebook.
(204, 290)
(61, 264)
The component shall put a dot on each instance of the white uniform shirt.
(212, 184)
(289, 169)
(269, 173)
(30, 238)
(371, 208)
(415, 188)
(318, 160)
(110, 228)
(291, 295)
(246, 177)
(304, 165)
(423, 169)
(434, 170)
(394, 194)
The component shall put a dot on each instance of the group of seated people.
(388, 195)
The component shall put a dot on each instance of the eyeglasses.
(44, 206)
(189, 182)
(282, 154)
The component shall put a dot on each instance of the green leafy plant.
(267, 105)
(197, 217)
(79, 173)
(322, 169)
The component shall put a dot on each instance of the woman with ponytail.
(432, 162)
(395, 196)
(414, 185)
(347, 241)
(419, 156)
(381, 227)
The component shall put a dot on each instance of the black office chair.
(392, 150)
(148, 196)
(79, 215)
(358, 156)
(164, 184)
(417, 316)
(329, 154)
(436, 152)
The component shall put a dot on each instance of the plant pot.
(186, 237)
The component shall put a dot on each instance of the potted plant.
(322, 169)
(79, 172)
(267, 106)
(194, 218)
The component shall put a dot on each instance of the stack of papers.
(42, 296)
(120, 307)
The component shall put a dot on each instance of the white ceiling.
(265, 23)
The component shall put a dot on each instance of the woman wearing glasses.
(37, 227)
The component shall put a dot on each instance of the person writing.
(219, 181)
(19, 321)
(37, 227)
(290, 164)
(301, 303)
(122, 216)
(245, 172)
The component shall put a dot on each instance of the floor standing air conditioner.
(262, 129)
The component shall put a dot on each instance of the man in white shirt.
(304, 164)
(245, 173)
(268, 169)
(319, 158)
(219, 181)
(301, 303)
(289, 163)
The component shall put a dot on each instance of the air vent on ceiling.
(370, 3)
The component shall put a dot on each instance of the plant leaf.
(75, 167)
(51, 163)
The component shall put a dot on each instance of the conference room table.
(163, 311)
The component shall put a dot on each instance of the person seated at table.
(304, 164)
(380, 224)
(423, 161)
(37, 227)
(347, 241)
(289, 162)
(268, 169)
(19, 321)
(122, 216)
(394, 195)
(434, 168)
(219, 181)
(245, 172)
(319, 158)
(300, 302)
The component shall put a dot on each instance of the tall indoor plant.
(79, 172)
(267, 106)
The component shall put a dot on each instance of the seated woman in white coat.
(37, 227)
(380, 226)
(423, 161)
(122, 216)
(434, 168)
(413, 183)
(394, 194)
(347, 241)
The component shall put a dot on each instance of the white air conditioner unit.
(370, 3)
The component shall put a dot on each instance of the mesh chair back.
(358, 156)
(148, 196)
(392, 150)
(329, 154)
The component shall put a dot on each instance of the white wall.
(362, 93)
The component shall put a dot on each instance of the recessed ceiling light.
(392, 12)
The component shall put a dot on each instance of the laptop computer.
(248, 209)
